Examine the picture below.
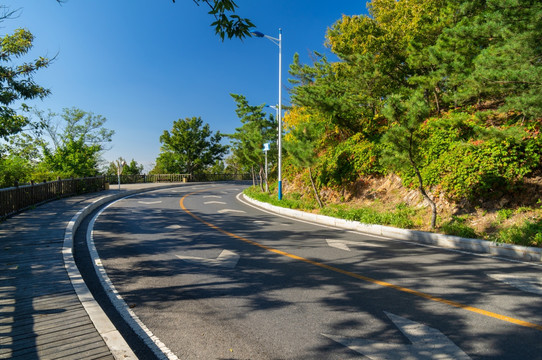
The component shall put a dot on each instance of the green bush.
(349, 160)
(479, 169)
(504, 214)
(271, 198)
(467, 159)
(401, 217)
(457, 226)
(14, 168)
(528, 234)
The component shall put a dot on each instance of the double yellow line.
(361, 277)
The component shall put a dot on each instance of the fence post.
(59, 187)
(32, 195)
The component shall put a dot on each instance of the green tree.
(302, 149)
(16, 81)
(75, 124)
(13, 169)
(227, 23)
(78, 142)
(190, 147)
(248, 140)
(19, 157)
(500, 66)
(132, 168)
(218, 167)
(404, 140)
(72, 158)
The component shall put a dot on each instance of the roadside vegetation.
(427, 116)
(430, 119)
(522, 226)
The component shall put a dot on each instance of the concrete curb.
(113, 339)
(454, 242)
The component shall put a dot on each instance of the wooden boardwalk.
(41, 316)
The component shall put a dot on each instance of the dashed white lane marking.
(427, 343)
(527, 283)
(214, 202)
(223, 211)
(343, 244)
(226, 259)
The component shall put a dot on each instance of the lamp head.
(257, 34)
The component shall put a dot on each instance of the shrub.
(528, 234)
(457, 226)
(349, 160)
(466, 159)
(271, 198)
(504, 214)
(401, 217)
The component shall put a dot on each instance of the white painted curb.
(113, 339)
(447, 241)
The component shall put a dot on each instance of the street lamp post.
(278, 42)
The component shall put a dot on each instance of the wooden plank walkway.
(41, 316)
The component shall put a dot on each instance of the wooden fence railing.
(152, 178)
(18, 198)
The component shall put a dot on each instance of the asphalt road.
(214, 278)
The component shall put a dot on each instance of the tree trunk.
(261, 178)
(421, 187)
(253, 176)
(436, 101)
(316, 195)
(429, 200)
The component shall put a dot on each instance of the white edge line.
(115, 342)
(378, 231)
(113, 339)
(152, 341)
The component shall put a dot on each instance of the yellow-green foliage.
(468, 65)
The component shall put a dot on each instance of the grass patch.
(504, 214)
(527, 234)
(457, 226)
(400, 217)
(292, 202)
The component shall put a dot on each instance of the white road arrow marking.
(427, 343)
(214, 202)
(226, 259)
(343, 244)
(231, 211)
(150, 202)
(527, 283)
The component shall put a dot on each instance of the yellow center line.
(362, 277)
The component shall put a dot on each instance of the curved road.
(215, 278)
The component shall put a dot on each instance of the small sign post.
(120, 167)
(265, 150)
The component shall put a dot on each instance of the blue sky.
(144, 64)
